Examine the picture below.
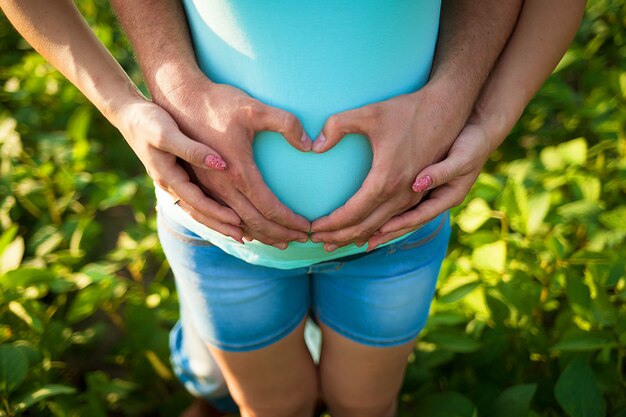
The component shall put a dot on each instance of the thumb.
(437, 174)
(194, 152)
(286, 123)
(339, 125)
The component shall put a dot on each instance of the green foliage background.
(529, 317)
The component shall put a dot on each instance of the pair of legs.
(282, 380)
(248, 324)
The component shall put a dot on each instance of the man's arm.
(219, 115)
(59, 33)
(413, 131)
(544, 30)
(159, 34)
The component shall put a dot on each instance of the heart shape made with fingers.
(311, 184)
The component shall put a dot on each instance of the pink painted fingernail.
(330, 248)
(215, 162)
(319, 142)
(306, 141)
(422, 184)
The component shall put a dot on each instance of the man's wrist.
(447, 97)
(170, 77)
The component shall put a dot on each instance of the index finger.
(181, 186)
(265, 201)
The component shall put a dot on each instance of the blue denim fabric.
(379, 299)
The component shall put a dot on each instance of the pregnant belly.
(315, 59)
(311, 184)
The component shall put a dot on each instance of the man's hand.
(226, 119)
(156, 139)
(450, 180)
(407, 133)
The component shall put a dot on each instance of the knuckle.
(289, 121)
(373, 111)
(251, 109)
(159, 139)
(160, 182)
(457, 201)
(255, 225)
(191, 154)
(334, 122)
(362, 234)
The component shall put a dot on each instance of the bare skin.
(541, 37)
(56, 30)
(287, 363)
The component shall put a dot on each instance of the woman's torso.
(314, 59)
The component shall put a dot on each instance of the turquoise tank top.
(313, 59)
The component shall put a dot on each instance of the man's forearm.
(471, 36)
(158, 31)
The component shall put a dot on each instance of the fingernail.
(319, 142)
(370, 248)
(281, 246)
(306, 141)
(422, 184)
(238, 239)
(315, 239)
(330, 247)
(215, 162)
(303, 239)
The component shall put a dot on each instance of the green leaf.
(491, 256)
(578, 341)
(85, 304)
(538, 207)
(577, 391)
(13, 368)
(474, 215)
(41, 393)
(11, 257)
(24, 277)
(514, 401)
(445, 404)
(454, 341)
(458, 293)
(27, 316)
(582, 211)
(514, 203)
(614, 219)
(573, 151)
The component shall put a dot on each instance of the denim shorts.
(381, 298)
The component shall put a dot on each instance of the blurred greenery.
(529, 317)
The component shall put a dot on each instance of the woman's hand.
(226, 118)
(156, 139)
(449, 181)
(407, 133)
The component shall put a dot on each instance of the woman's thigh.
(233, 305)
(383, 298)
(248, 319)
(371, 309)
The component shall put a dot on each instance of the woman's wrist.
(116, 107)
